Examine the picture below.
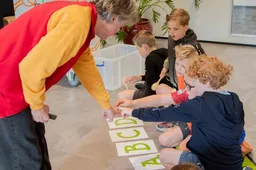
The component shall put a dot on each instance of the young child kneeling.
(185, 54)
(217, 117)
(145, 43)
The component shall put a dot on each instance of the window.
(244, 17)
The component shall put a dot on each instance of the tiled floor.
(78, 139)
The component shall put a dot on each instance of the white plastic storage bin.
(116, 62)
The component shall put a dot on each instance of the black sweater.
(218, 121)
(153, 67)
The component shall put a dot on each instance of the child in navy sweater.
(217, 117)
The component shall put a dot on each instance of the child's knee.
(171, 138)
(166, 140)
(126, 94)
(121, 95)
(161, 89)
(170, 157)
(163, 140)
(164, 156)
(164, 89)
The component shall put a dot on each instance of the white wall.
(211, 22)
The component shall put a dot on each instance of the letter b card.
(136, 148)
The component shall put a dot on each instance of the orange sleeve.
(181, 83)
(67, 31)
(88, 74)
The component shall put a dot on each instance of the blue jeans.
(22, 143)
(189, 157)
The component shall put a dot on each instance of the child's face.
(143, 50)
(194, 87)
(176, 30)
(181, 66)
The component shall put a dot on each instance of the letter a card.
(121, 122)
(136, 148)
(128, 134)
(146, 162)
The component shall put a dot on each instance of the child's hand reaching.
(124, 103)
(163, 73)
(125, 112)
(132, 79)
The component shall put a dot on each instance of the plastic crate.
(116, 62)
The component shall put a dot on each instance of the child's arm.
(166, 64)
(161, 100)
(155, 100)
(132, 79)
(180, 96)
(165, 68)
(185, 112)
(150, 101)
(171, 55)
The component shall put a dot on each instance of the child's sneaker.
(164, 126)
(139, 86)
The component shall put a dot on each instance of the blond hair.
(186, 166)
(144, 37)
(179, 14)
(210, 69)
(185, 52)
(124, 10)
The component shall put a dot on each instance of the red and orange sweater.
(38, 48)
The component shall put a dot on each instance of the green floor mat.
(248, 162)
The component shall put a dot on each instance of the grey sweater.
(169, 63)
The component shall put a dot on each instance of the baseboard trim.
(217, 42)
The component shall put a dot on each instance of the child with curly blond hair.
(217, 117)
